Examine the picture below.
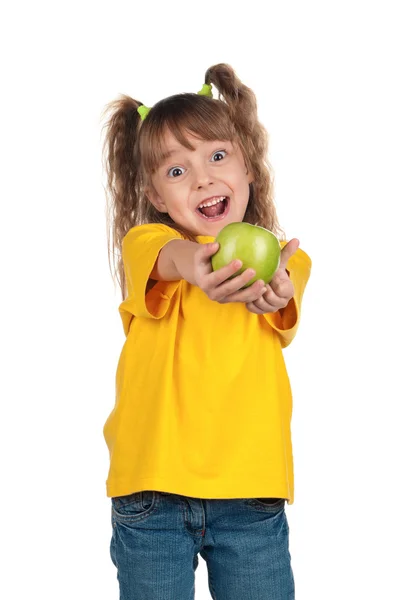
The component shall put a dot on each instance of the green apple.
(257, 247)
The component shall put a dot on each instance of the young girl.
(199, 438)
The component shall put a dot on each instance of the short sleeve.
(286, 323)
(140, 249)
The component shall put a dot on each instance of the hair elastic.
(143, 111)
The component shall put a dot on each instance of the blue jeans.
(156, 538)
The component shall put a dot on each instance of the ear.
(250, 177)
(155, 199)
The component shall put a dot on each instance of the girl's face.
(202, 189)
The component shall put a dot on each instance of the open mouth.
(214, 209)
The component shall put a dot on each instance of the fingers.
(279, 298)
(205, 252)
(219, 276)
(210, 278)
(262, 305)
(259, 307)
(288, 251)
(249, 294)
(204, 275)
(230, 290)
(279, 290)
(268, 302)
(225, 281)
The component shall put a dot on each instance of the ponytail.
(240, 99)
(121, 165)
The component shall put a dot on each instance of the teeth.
(212, 202)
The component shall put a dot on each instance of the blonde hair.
(133, 150)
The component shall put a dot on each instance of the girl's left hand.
(280, 289)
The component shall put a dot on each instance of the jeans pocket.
(271, 501)
(135, 506)
(270, 504)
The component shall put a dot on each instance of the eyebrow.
(165, 156)
(170, 153)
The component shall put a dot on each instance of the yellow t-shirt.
(203, 400)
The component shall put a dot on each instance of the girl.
(199, 438)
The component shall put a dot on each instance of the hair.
(133, 149)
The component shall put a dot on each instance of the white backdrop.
(325, 80)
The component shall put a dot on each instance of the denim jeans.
(156, 538)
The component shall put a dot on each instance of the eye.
(173, 171)
(219, 153)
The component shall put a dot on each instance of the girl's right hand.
(217, 285)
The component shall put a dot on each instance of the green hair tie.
(206, 90)
(143, 111)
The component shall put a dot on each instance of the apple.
(257, 247)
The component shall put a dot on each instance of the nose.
(202, 177)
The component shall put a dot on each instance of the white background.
(325, 80)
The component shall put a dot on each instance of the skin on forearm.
(176, 261)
